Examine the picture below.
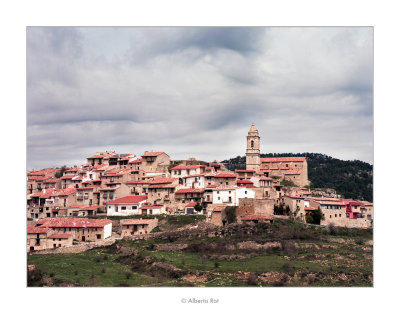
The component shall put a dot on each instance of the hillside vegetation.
(350, 178)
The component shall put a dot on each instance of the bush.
(216, 264)
(51, 275)
(331, 229)
(76, 273)
(231, 214)
(35, 277)
(128, 275)
(105, 257)
(359, 241)
(155, 230)
(98, 259)
(252, 279)
(288, 268)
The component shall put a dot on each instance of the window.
(123, 207)
(252, 144)
(245, 192)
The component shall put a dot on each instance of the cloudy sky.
(194, 92)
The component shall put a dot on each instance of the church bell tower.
(253, 150)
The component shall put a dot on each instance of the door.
(83, 238)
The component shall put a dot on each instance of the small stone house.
(131, 227)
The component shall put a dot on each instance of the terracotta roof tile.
(129, 199)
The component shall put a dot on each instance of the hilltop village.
(61, 203)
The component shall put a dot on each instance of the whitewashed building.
(125, 206)
(230, 195)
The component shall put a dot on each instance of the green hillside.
(350, 178)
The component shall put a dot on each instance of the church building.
(293, 169)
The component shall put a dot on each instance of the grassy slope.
(348, 258)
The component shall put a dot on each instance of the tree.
(60, 173)
(231, 214)
(198, 207)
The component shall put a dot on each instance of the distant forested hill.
(350, 178)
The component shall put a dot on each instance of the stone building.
(253, 150)
(82, 229)
(131, 227)
(294, 169)
(154, 162)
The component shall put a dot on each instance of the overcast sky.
(194, 92)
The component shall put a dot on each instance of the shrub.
(252, 279)
(216, 264)
(359, 241)
(76, 273)
(311, 278)
(98, 259)
(105, 257)
(183, 261)
(331, 229)
(128, 275)
(51, 275)
(103, 270)
(231, 214)
(288, 268)
(35, 277)
(198, 207)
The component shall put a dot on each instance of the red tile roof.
(282, 159)
(225, 175)
(136, 161)
(309, 208)
(266, 179)
(90, 208)
(59, 236)
(129, 199)
(68, 177)
(96, 156)
(78, 178)
(188, 167)
(152, 154)
(75, 206)
(189, 191)
(162, 180)
(45, 193)
(51, 180)
(211, 186)
(191, 204)
(244, 182)
(89, 187)
(73, 222)
(366, 203)
(65, 192)
(239, 170)
(37, 230)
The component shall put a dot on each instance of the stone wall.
(253, 206)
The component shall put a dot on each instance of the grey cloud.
(195, 91)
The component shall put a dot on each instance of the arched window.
(252, 144)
